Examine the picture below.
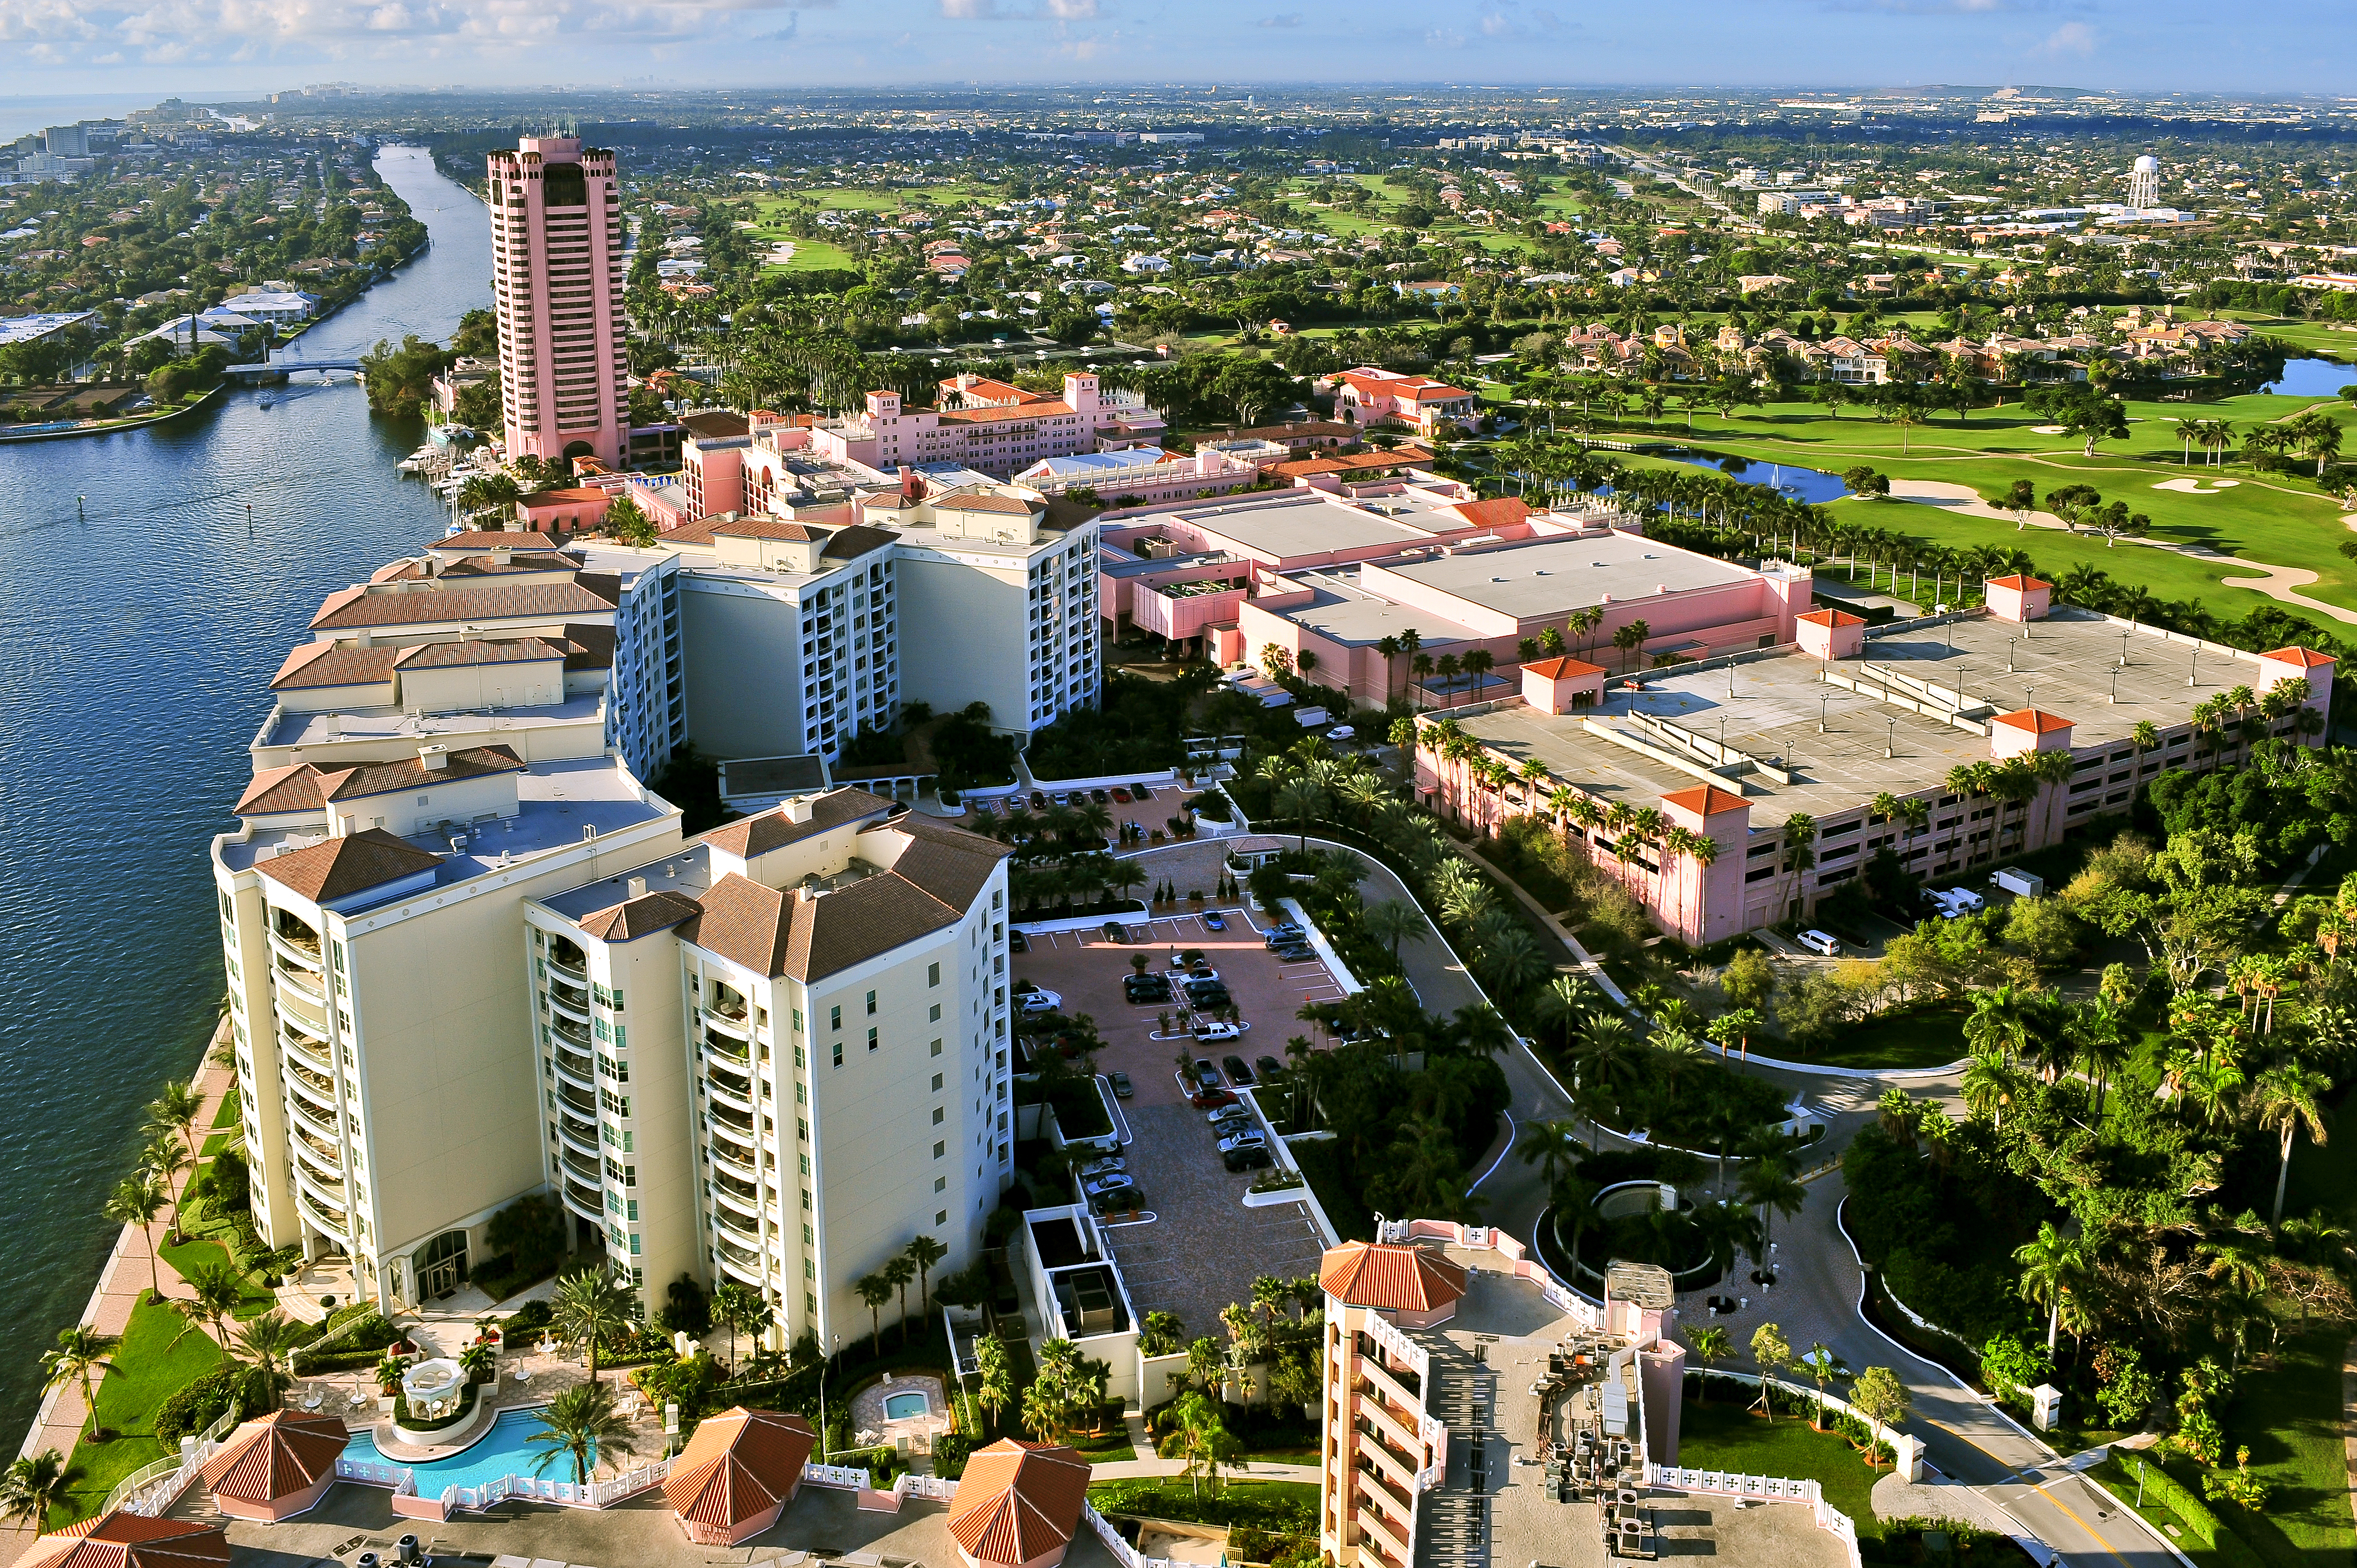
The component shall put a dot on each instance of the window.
(937, 1048)
(871, 1039)
(937, 1083)
(805, 1169)
(935, 1016)
(941, 1183)
(937, 1115)
(806, 1236)
(871, 1004)
(838, 1053)
(933, 974)
(834, 1018)
(798, 1020)
(940, 1149)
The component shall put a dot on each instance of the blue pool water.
(503, 1451)
(901, 1407)
(2313, 378)
(1811, 485)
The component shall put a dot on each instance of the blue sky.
(213, 48)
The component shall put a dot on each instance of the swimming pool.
(505, 1450)
(901, 1407)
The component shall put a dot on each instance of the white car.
(1820, 943)
(1039, 1001)
(1207, 1032)
(1342, 732)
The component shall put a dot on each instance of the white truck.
(1953, 903)
(2017, 882)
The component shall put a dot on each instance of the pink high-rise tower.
(556, 251)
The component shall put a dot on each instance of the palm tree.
(218, 1290)
(2282, 1100)
(1709, 1345)
(583, 1422)
(164, 1159)
(1300, 798)
(1391, 922)
(137, 1200)
(927, 1255)
(32, 1487)
(1200, 1438)
(875, 1289)
(899, 1271)
(588, 1307)
(1770, 1186)
(178, 1110)
(1989, 1086)
(1824, 1368)
(271, 1340)
(738, 1305)
(79, 1352)
(2050, 1264)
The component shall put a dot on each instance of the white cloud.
(2071, 38)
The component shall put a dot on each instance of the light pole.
(825, 1453)
(2193, 676)
(2124, 648)
(1890, 739)
(1821, 701)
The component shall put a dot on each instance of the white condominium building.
(778, 1054)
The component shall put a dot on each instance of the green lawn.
(2118, 1476)
(160, 1355)
(1915, 1039)
(2289, 1414)
(1294, 1494)
(812, 255)
(185, 1258)
(1721, 1435)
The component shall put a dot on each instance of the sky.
(74, 50)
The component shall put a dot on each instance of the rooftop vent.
(638, 887)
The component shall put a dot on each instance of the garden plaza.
(1732, 750)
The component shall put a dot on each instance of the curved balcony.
(729, 1131)
(320, 1090)
(571, 1033)
(739, 1267)
(730, 1199)
(576, 969)
(730, 1052)
(324, 1217)
(738, 1025)
(590, 1206)
(567, 994)
(725, 1163)
(306, 1027)
(312, 1054)
(301, 955)
(322, 1153)
(575, 1133)
(328, 1194)
(724, 1093)
(307, 1007)
(575, 1069)
(580, 1104)
(588, 1167)
(746, 1236)
(324, 1125)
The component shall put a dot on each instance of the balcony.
(310, 1117)
(574, 969)
(1373, 1479)
(296, 952)
(324, 1218)
(321, 1152)
(329, 1195)
(744, 1265)
(729, 1050)
(584, 1203)
(725, 1164)
(580, 1104)
(731, 1090)
(569, 999)
(748, 1237)
(317, 1087)
(302, 1004)
(733, 1131)
(588, 1167)
(736, 1023)
(573, 1068)
(575, 1133)
(1383, 1439)
(1385, 1534)
(571, 1033)
(312, 1054)
(1401, 1387)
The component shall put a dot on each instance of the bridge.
(287, 367)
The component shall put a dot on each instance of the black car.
(1239, 1071)
(1299, 952)
(1146, 989)
(1208, 998)
(1115, 931)
(1253, 1157)
(1269, 1066)
(1101, 798)
(1280, 936)
(1014, 942)
(1206, 1074)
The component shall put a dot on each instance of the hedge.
(2205, 1527)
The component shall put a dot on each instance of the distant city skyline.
(212, 48)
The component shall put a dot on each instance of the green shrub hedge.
(2203, 1526)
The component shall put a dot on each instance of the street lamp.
(1890, 739)
(2124, 648)
(1821, 701)
(2193, 676)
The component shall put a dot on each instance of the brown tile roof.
(294, 788)
(549, 501)
(399, 571)
(1705, 801)
(120, 1540)
(2032, 720)
(341, 866)
(1019, 1501)
(1013, 505)
(636, 917)
(589, 645)
(764, 528)
(1498, 512)
(773, 829)
(494, 539)
(740, 1465)
(1831, 618)
(313, 664)
(367, 778)
(744, 922)
(850, 543)
(1563, 667)
(284, 1453)
(716, 425)
(523, 561)
(476, 650)
(418, 602)
(1390, 1278)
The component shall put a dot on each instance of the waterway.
(153, 580)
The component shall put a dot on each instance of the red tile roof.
(2032, 720)
(122, 1539)
(411, 604)
(1504, 511)
(1563, 667)
(741, 1464)
(1019, 1501)
(635, 917)
(294, 788)
(311, 664)
(2017, 582)
(341, 866)
(1831, 618)
(2306, 658)
(1705, 800)
(1391, 1278)
(284, 1453)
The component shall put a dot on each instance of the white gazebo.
(433, 1387)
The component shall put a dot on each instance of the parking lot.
(1202, 1248)
(1150, 807)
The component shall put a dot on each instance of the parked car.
(1253, 1138)
(1209, 998)
(1230, 1115)
(1199, 972)
(1342, 732)
(1141, 791)
(1122, 1087)
(1115, 932)
(1100, 796)
(1274, 935)
(1206, 1074)
(1239, 1071)
(1038, 801)
(1250, 1157)
(1820, 943)
(1014, 942)
(1106, 1184)
(1039, 1002)
(1269, 1066)
(1120, 797)
(1299, 952)
(1211, 1099)
(1112, 1165)
(1121, 1201)
(1211, 1033)
(1214, 921)
(1146, 989)
(1061, 798)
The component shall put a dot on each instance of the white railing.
(1725, 1484)
(1125, 1554)
(151, 1488)
(401, 1480)
(397, 1479)
(1435, 1434)
(844, 1478)
(1486, 1238)
(911, 1484)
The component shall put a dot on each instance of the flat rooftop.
(1349, 614)
(2067, 666)
(396, 724)
(1298, 523)
(556, 801)
(688, 873)
(1550, 577)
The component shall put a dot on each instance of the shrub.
(949, 1451)
(2010, 1369)
(531, 1233)
(532, 1314)
(200, 1404)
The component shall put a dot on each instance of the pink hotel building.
(556, 290)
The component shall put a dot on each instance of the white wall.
(745, 678)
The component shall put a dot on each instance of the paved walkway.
(1252, 1470)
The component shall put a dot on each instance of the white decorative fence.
(1719, 1483)
(842, 1477)
(1489, 1237)
(1125, 1554)
(401, 1480)
(151, 1488)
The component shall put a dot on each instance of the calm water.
(506, 1450)
(133, 667)
(2313, 378)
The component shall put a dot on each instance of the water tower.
(2144, 183)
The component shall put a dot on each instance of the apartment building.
(776, 1055)
(990, 427)
(556, 251)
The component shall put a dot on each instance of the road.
(1819, 1282)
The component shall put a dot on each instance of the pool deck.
(869, 1411)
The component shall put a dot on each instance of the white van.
(1820, 943)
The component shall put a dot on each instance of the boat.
(420, 461)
